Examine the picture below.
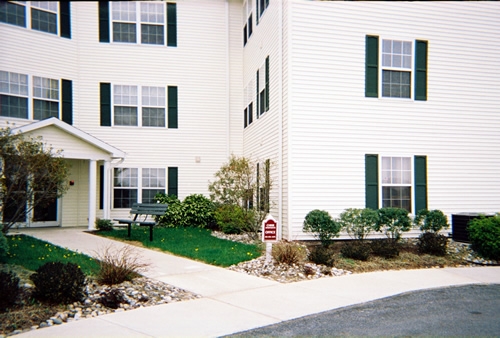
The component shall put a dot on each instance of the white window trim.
(28, 6)
(139, 106)
(381, 185)
(138, 23)
(411, 70)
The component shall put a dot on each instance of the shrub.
(174, 214)
(392, 222)
(321, 224)
(4, 245)
(359, 222)
(112, 298)
(432, 243)
(289, 253)
(9, 289)
(356, 250)
(323, 255)
(198, 211)
(484, 234)
(232, 219)
(386, 248)
(118, 265)
(431, 221)
(104, 224)
(56, 282)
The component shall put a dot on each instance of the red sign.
(270, 231)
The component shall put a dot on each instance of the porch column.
(92, 193)
(106, 192)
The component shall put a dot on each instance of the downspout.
(228, 96)
(280, 120)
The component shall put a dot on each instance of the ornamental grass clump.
(118, 265)
(289, 253)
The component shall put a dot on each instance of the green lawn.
(194, 243)
(32, 253)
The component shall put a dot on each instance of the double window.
(247, 20)
(142, 106)
(402, 182)
(34, 97)
(132, 185)
(262, 90)
(402, 72)
(149, 23)
(41, 16)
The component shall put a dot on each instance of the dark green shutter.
(103, 21)
(371, 66)
(420, 183)
(101, 187)
(258, 187)
(173, 181)
(65, 19)
(257, 105)
(257, 13)
(267, 84)
(67, 101)
(105, 89)
(421, 70)
(371, 181)
(172, 107)
(171, 24)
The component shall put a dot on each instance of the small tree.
(322, 225)
(431, 220)
(359, 222)
(393, 221)
(32, 175)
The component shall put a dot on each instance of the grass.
(193, 243)
(31, 253)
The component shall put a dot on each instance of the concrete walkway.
(234, 302)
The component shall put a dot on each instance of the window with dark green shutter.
(67, 101)
(267, 84)
(371, 181)
(420, 183)
(257, 102)
(105, 99)
(172, 107)
(421, 70)
(171, 24)
(173, 181)
(371, 66)
(103, 21)
(65, 18)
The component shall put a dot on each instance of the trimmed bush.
(356, 250)
(104, 224)
(198, 211)
(385, 248)
(392, 222)
(118, 265)
(112, 298)
(431, 221)
(9, 289)
(432, 243)
(359, 222)
(59, 283)
(175, 213)
(322, 225)
(484, 234)
(4, 245)
(289, 253)
(233, 219)
(323, 255)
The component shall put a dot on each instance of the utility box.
(460, 224)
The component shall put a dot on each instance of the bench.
(144, 209)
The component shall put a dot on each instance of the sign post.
(269, 235)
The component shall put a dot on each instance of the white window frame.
(260, 11)
(138, 21)
(248, 6)
(47, 93)
(140, 186)
(16, 89)
(410, 70)
(383, 184)
(139, 104)
(44, 6)
(248, 95)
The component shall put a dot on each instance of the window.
(45, 16)
(248, 111)
(126, 184)
(132, 185)
(402, 183)
(13, 95)
(247, 20)
(261, 7)
(153, 106)
(125, 105)
(264, 187)
(45, 98)
(153, 182)
(403, 68)
(262, 80)
(150, 23)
